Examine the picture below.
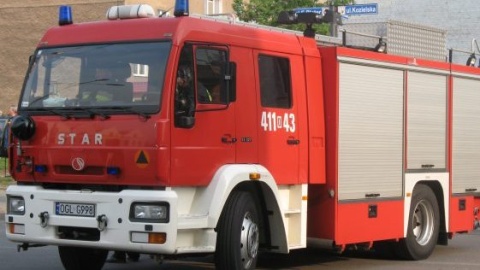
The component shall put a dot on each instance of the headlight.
(149, 212)
(16, 206)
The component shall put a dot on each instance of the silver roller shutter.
(370, 158)
(427, 114)
(466, 135)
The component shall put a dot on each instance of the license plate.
(75, 209)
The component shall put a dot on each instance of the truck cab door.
(279, 137)
(205, 139)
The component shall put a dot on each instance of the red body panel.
(355, 226)
(461, 213)
(121, 146)
(346, 222)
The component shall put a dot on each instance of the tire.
(238, 234)
(76, 258)
(423, 226)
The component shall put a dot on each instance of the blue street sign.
(318, 10)
(345, 11)
(361, 9)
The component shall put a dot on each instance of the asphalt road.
(461, 254)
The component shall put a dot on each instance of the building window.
(213, 7)
(140, 70)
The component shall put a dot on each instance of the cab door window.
(210, 67)
(201, 79)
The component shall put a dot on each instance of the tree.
(266, 11)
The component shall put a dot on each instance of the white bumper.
(114, 205)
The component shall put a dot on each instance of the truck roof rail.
(228, 18)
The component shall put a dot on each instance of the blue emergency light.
(65, 15)
(113, 170)
(41, 168)
(181, 8)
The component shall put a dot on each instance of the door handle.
(293, 142)
(228, 140)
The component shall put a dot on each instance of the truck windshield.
(122, 78)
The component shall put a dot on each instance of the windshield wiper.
(127, 110)
(64, 115)
(87, 113)
(92, 81)
(94, 112)
(142, 114)
(79, 112)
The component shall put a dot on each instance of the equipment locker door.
(370, 133)
(465, 134)
(279, 139)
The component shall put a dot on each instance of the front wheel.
(238, 234)
(76, 258)
(423, 226)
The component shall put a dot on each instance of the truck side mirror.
(184, 121)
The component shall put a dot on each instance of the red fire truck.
(192, 135)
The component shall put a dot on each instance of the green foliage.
(4, 179)
(266, 11)
(2, 164)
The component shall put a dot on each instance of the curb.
(3, 203)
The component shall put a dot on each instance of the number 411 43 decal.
(273, 122)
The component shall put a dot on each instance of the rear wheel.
(76, 258)
(238, 234)
(423, 226)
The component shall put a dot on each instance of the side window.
(275, 86)
(210, 67)
(184, 87)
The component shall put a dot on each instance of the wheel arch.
(232, 178)
(437, 189)
(273, 235)
(439, 184)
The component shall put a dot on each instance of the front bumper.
(116, 232)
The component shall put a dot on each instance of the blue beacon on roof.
(65, 15)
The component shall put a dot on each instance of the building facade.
(459, 18)
(23, 23)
